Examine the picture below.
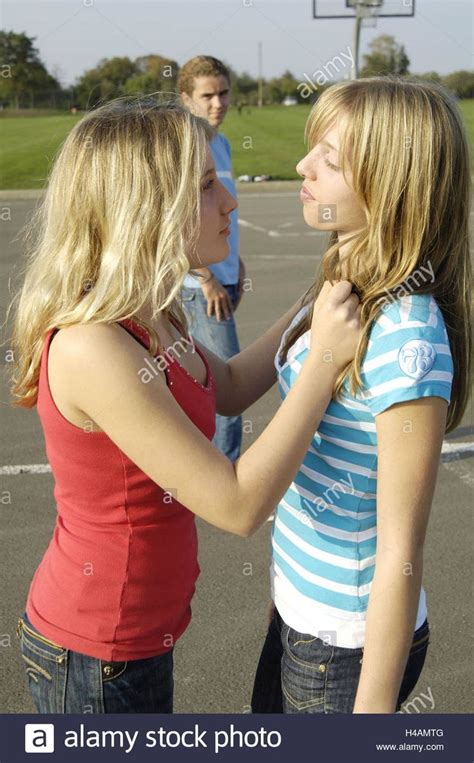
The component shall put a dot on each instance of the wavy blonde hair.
(406, 146)
(120, 215)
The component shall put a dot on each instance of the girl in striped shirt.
(349, 631)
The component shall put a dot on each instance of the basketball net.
(368, 11)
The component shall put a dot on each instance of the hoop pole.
(355, 46)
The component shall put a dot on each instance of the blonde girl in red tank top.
(127, 404)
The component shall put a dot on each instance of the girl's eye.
(331, 165)
(208, 185)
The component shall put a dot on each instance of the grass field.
(264, 141)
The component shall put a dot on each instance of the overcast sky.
(73, 35)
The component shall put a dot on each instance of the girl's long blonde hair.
(406, 146)
(120, 215)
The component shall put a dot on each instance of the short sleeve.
(408, 355)
(292, 323)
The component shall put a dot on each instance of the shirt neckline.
(207, 387)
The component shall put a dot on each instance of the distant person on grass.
(211, 298)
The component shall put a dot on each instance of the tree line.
(26, 83)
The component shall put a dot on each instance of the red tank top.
(119, 574)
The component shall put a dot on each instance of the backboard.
(346, 9)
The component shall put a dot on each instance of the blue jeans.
(299, 673)
(63, 681)
(221, 338)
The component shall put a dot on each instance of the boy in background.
(211, 299)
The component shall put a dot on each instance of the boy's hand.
(218, 300)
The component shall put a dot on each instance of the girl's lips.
(305, 194)
(226, 231)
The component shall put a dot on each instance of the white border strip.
(450, 450)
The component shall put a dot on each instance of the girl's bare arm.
(146, 422)
(409, 437)
(244, 378)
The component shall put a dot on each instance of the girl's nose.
(306, 167)
(300, 168)
(229, 202)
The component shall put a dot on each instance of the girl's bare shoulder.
(87, 350)
(84, 355)
(81, 344)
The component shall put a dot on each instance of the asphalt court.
(216, 658)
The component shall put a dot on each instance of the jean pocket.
(305, 663)
(308, 651)
(33, 644)
(46, 666)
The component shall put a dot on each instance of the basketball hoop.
(365, 6)
(364, 13)
(366, 10)
(347, 9)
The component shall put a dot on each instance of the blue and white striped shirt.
(325, 527)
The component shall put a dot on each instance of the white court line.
(276, 233)
(246, 224)
(25, 469)
(450, 450)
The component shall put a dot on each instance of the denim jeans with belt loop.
(300, 673)
(63, 681)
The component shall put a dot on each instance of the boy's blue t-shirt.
(227, 271)
(325, 526)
